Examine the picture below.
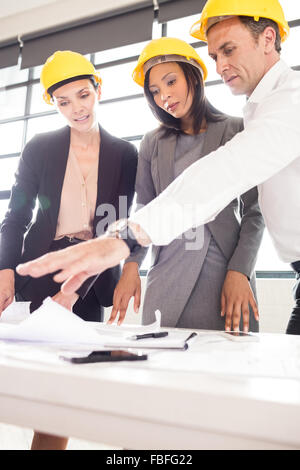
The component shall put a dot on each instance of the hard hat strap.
(161, 59)
(69, 80)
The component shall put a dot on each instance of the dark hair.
(201, 108)
(69, 80)
(258, 27)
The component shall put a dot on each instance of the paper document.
(227, 358)
(51, 323)
(15, 312)
(54, 324)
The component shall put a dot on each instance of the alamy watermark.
(179, 215)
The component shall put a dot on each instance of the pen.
(161, 334)
(192, 335)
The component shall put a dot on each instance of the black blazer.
(40, 175)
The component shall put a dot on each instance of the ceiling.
(16, 6)
(20, 17)
(13, 7)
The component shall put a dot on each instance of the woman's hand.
(236, 297)
(7, 288)
(128, 286)
(66, 300)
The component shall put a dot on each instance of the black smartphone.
(106, 356)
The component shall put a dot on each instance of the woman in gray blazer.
(205, 279)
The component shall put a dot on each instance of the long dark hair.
(201, 108)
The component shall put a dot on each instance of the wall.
(53, 13)
(275, 304)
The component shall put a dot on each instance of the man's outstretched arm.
(75, 264)
(198, 194)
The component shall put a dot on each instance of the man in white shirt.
(266, 153)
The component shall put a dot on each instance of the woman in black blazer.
(44, 175)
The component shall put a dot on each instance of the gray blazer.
(237, 230)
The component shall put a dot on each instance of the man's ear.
(269, 37)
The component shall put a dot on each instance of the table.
(164, 403)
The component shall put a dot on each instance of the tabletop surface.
(250, 388)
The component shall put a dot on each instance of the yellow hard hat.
(171, 47)
(63, 65)
(270, 9)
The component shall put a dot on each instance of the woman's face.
(78, 102)
(169, 88)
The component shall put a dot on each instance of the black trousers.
(293, 327)
(37, 289)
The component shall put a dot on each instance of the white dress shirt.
(266, 154)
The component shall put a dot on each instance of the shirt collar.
(268, 82)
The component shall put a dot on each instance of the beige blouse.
(78, 201)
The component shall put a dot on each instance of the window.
(3, 207)
(290, 49)
(12, 75)
(291, 9)
(117, 81)
(118, 53)
(12, 102)
(8, 167)
(43, 124)
(127, 118)
(38, 105)
(11, 134)
(221, 97)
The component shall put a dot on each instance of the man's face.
(240, 60)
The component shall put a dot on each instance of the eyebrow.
(221, 48)
(162, 79)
